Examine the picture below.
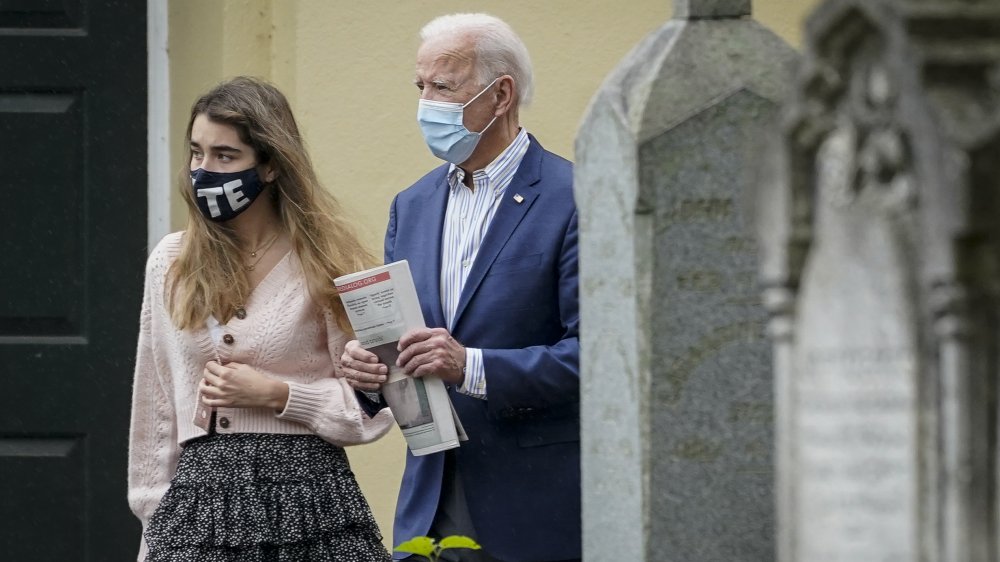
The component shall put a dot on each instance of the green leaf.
(423, 546)
(458, 541)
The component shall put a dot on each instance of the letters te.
(231, 190)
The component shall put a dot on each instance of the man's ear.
(506, 92)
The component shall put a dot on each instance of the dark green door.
(72, 246)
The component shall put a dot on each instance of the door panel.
(50, 257)
(72, 247)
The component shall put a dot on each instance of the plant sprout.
(431, 549)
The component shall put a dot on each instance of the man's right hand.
(362, 369)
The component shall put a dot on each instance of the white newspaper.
(382, 305)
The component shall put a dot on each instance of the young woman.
(239, 412)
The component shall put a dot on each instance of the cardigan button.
(241, 313)
(229, 339)
(224, 422)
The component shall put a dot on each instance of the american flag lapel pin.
(518, 197)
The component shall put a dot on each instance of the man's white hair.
(499, 50)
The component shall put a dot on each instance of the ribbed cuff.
(305, 403)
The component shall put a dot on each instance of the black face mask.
(221, 196)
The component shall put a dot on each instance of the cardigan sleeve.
(329, 406)
(153, 449)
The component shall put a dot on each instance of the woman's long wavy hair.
(209, 275)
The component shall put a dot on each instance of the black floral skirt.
(253, 497)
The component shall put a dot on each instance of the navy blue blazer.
(521, 465)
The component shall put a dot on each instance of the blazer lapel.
(427, 242)
(509, 214)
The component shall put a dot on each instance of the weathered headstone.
(879, 221)
(676, 369)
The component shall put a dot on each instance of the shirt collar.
(498, 173)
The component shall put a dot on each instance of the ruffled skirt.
(262, 497)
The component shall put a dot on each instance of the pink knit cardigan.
(283, 335)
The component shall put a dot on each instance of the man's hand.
(235, 385)
(362, 369)
(432, 351)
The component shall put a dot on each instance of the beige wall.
(347, 68)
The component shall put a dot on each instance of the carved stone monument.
(676, 368)
(879, 221)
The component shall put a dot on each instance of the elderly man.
(491, 238)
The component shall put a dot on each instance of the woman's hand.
(362, 369)
(235, 385)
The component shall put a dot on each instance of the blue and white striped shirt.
(466, 220)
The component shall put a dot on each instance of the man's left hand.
(432, 351)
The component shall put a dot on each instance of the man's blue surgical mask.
(221, 196)
(444, 131)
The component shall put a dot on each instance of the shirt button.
(466, 263)
(229, 339)
(204, 413)
(223, 422)
(241, 313)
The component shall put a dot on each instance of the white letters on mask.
(221, 196)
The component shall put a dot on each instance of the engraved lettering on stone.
(698, 450)
(703, 281)
(705, 209)
(856, 441)
(739, 245)
(751, 412)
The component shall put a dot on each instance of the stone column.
(880, 253)
(676, 370)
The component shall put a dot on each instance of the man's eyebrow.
(438, 81)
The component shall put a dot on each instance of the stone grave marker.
(676, 367)
(880, 246)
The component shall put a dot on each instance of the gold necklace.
(262, 250)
